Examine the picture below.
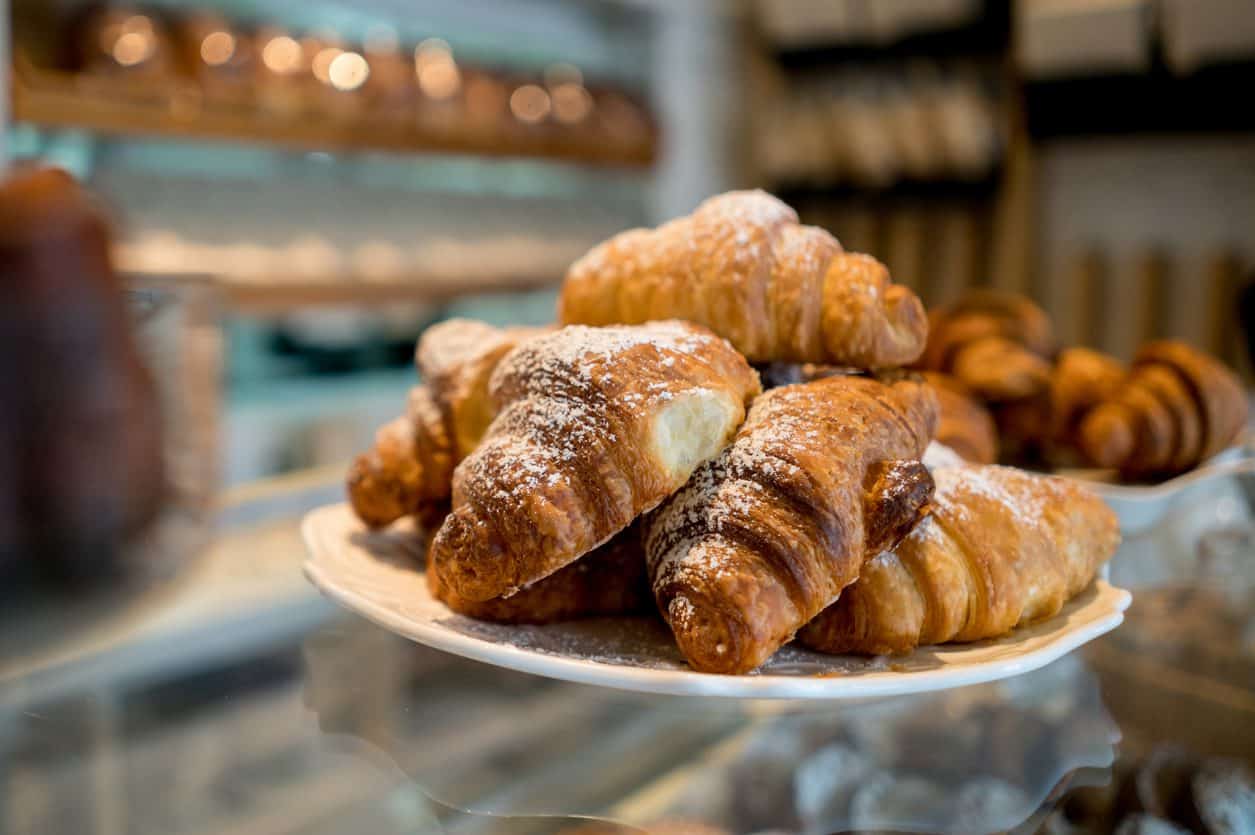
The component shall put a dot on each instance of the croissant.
(964, 425)
(411, 462)
(456, 358)
(765, 536)
(597, 425)
(610, 580)
(743, 266)
(1177, 408)
(995, 343)
(1024, 430)
(1000, 548)
(1081, 379)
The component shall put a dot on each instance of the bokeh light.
(321, 65)
(281, 55)
(530, 103)
(217, 48)
(571, 103)
(348, 71)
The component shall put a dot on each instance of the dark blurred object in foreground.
(80, 441)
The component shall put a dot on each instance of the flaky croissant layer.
(410, 465)
(1000, 547)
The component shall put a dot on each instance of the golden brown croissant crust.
(1177, 408)
(1000, 548)
(1081, 379)
(456, 358)
(610, 580)
(766, 535)
(409, 466)
(411, 463)
(963, 423)
(742, 265)
(597, 425)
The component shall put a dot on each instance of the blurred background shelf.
(301, 188)
(55, 102)
(1154, 102)
(275, 296)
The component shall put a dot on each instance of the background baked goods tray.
(379, 576)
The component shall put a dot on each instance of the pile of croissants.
(1007, 393)
(628, 460)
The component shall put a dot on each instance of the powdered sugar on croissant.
(596, 426)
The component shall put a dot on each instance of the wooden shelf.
(278, 296)
(50, 99)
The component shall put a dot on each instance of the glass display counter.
(233, 698)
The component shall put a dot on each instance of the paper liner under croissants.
(596, 426)
(765, 536)
(743, 266)
(1000, 548)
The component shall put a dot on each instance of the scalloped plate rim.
(1142, 506)
(1109, 605)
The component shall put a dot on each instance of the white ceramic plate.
(378, 575)
(1140, 507)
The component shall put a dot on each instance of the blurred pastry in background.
(81, 464)
(997, 344)
(1177, 408)
(1080, 380)
(1024, 431)
(964, 425)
